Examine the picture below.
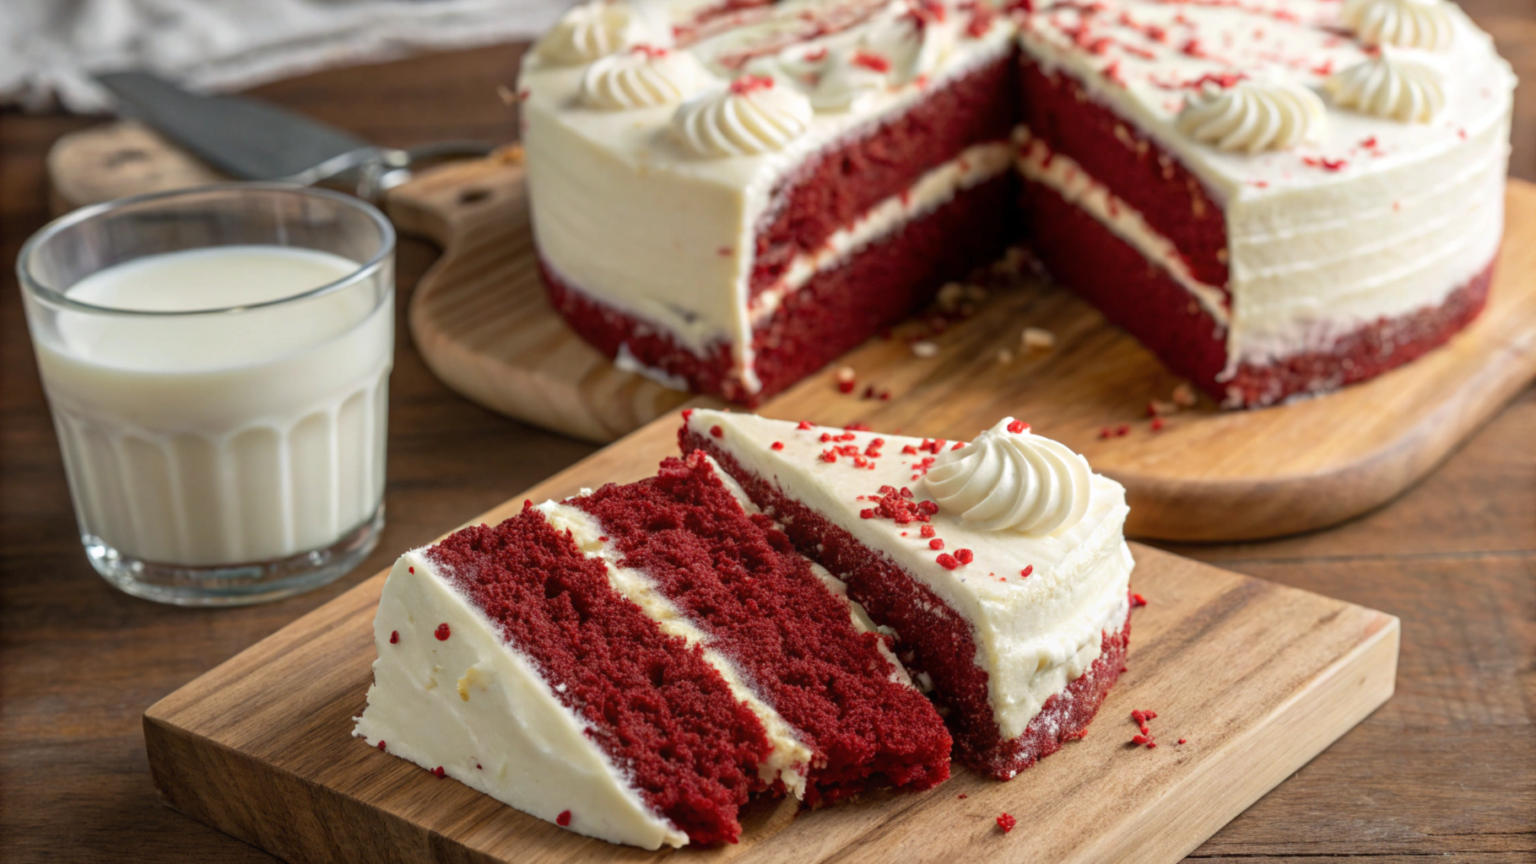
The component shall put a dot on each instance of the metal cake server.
(253, 140)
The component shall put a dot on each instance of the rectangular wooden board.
(1256, 677)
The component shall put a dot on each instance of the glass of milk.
(217, 363)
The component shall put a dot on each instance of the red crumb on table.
(442, 632)
(845, 386)
(1138, 601)
(1106, 432)
(962, 796)
(1183, 740)
(439, 773)
(563, 819)
(381, 743)
(1006, 822)
(717, 432)
(394, 637)
(1157, 424)
(1141, 718)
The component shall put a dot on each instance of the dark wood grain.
(1448, 768)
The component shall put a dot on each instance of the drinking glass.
(217, 364)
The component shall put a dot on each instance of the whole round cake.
(1277, 197)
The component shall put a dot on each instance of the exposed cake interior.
(1020, 637)
(740, 581)
(656, 710)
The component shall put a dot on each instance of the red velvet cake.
(1278, 197)
(1000, 564)
(634, 662)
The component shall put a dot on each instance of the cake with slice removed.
(1000, 564)
(634, 662)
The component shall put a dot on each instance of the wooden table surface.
(1447, 768)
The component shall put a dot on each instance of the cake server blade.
(244, 138)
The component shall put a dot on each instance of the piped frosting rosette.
(1010, 479)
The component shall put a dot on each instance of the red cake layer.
(829, 192)
(654, 706)
(741, 581)
(1059, 112)
(1144, 299)
(836, 310)
(933, 637)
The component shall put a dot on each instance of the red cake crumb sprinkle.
(928, 530)
(1183, 740)
(563, 819)
(412, 570)
(381, 743)
(965, 556)
(777, 445)
(439, 773)
(1122, 430)
(1138, 600)
(394, 637)
(687, 414)
(908, 450)
(1157, 424)
(1324, 163)
(442, 632)
(750, 83)
(935, 544)
(717, 432)
(1006, 822)
(804, 425)
(962, 796)
(1018, 426)
(845, 386)
(873, 62)
(1369, 143)
(1028, 569)
(948, 561)
(1145, 738)
(1106, 432)
(828, 456)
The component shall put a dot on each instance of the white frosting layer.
(1033, 634)
(675, 228)
(790, 756)
(478, 708)
(938, 187)
(1039, 163)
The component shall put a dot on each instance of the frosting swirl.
(591, 30)
(1389, 87)
(1251, 116)
(753, 115)
(849, 81)
(1012, 480)
(913, 37)
(1404, 23)
(643, 77)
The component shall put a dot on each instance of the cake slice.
(1001, 564)
(633, 662)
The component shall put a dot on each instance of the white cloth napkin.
(50, 48)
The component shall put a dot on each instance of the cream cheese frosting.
(1034, 633)
(1009, 479)
(476, 707)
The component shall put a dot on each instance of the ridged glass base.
(237, 584)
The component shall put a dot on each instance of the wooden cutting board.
(1256, 678)
(481, 321)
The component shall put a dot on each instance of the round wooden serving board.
(481, 321)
